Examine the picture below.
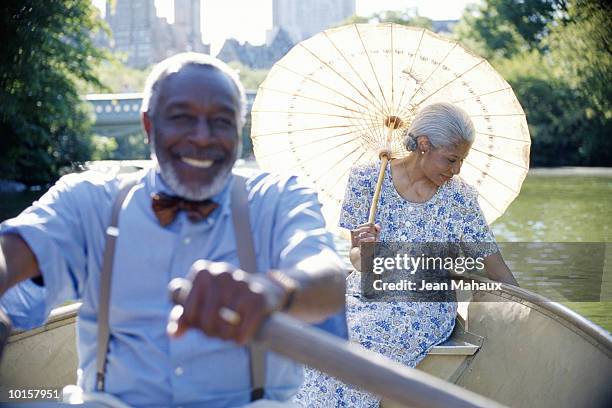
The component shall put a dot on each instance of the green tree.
(250, 78)
(557, 57)
(103, 147)
(404, 17)
(115, 77)
(354, 19)
(581, 49)
(507, 27)
(44, 124)
(125, 147)
(581, 52)
(559, 124)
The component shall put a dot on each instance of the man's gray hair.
(444, 124)
(177, 62)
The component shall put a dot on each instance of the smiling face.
(194, 131)
(440, 165)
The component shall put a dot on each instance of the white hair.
(177, 62)
(444, 125)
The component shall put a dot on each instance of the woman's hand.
(367, 232)
(364, 233)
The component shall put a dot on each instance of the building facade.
(145, 38)
(305, 18)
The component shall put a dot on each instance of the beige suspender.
(248, 263)
(246, 256)
(112, 232)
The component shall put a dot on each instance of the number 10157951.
(33, 394)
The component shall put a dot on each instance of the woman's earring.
(422, 151)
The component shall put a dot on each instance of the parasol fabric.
(341, 97)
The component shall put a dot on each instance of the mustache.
(213, 154)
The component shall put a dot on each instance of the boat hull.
(509, 345)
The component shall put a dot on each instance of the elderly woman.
(420, 201)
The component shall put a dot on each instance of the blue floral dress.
(402, 331)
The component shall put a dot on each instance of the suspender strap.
(246, 255)
(112, 232)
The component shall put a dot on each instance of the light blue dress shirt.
(65, 230)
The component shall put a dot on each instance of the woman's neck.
(412, 171)
(410, 180)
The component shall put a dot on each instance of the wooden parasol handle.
(384, 158)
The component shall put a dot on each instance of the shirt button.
(186, 240)
(178, 371)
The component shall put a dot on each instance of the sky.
(248, 20)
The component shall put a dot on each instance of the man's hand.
(226, 302)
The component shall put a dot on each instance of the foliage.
(132, 147)
(581, 51)
(127, 147)
(391, 16)
(354, 19)
(581, 47)
(115, 77)
(47, 47)
(103, 147)
(508, 27)
(561, 129)
(250, 78)
(557, 57)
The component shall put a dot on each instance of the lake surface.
(553, 206)
(564, 208)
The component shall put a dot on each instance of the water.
(563, 208)
(557, 208)
(552, 207)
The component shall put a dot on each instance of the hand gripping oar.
(354, 364)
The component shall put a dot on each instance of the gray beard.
(168, 174)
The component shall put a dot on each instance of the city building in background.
(145, 38)
(293, 21)
(302, 19)
(257, 56)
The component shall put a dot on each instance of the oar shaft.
(367, 370)
(354, 364)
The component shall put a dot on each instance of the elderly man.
(176, 221)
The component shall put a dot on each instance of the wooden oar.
(354, 364)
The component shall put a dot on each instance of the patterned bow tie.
(166, 207)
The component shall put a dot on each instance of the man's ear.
(147, 123)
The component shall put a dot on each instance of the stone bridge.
(118, 115)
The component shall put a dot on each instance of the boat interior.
(511, 345)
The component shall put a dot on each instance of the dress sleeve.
(357, 198)
(477, 239)
(53, 229)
